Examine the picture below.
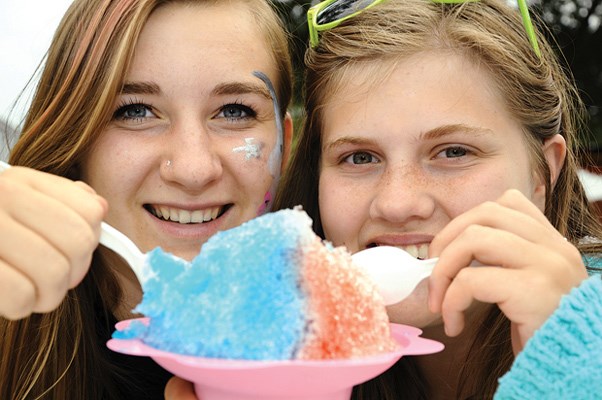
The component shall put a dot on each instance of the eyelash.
(346, 157)
(465, 152)
(248, 110)
(455, 148)
(125, 105)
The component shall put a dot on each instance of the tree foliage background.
(575, 26)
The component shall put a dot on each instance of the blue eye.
(236, 112)
(455, 152)
(361, 157)
(134, 111)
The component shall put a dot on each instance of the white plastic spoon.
(395, 272)
(113, 239)
(120, 244)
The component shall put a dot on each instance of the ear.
(287, 125)
(554, 150)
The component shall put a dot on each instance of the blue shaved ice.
(238, 299)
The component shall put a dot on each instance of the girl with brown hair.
(447, 129)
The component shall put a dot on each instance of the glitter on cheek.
(252, 149)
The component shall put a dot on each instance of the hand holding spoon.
(119, 243)
(395, 272)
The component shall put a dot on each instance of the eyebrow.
(227, 88)
(140, 88)
(445, 130)
(348, 140)
(241, 88)
(432, 134)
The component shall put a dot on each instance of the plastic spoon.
(113, 239)
(120, 244)
(395, 272)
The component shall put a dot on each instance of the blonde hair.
(56, 355)
(537, 92)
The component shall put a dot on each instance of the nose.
(403, 194)
(191, 158)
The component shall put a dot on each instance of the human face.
(402, 158)
(193, 132)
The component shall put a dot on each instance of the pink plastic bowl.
(220, 379)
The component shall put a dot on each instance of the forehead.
(200, 35)
(445, 74)
(415, 95)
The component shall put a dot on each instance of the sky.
(26, 29)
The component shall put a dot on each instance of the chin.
(413, 311)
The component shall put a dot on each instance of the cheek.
(108, 168)
(257, 155)
(251, 164)
(341, 211)
(461, 196)
(414, 310)
(251, 149)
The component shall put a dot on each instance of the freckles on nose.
(405, 176)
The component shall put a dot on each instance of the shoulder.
(563, 359)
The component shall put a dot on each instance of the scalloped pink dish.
(221, 379)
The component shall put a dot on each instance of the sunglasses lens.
(341, 9)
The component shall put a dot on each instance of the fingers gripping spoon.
(395, 272)
(120, 244)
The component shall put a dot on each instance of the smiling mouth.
(180, 216)
(420, 251)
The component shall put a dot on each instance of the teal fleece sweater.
(563, 359)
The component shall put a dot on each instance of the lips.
(182, 216)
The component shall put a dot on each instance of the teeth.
(418, 251)
(185, 216)
(197, 216)
(423, 251)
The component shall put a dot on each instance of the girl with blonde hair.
(171, 117)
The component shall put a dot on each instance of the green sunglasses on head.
(330, 13)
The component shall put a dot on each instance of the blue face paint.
(275, 158)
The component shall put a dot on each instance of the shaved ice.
(269, 289)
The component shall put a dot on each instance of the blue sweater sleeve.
(563, 359)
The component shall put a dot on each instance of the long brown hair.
(56, 355)
(538, 93)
